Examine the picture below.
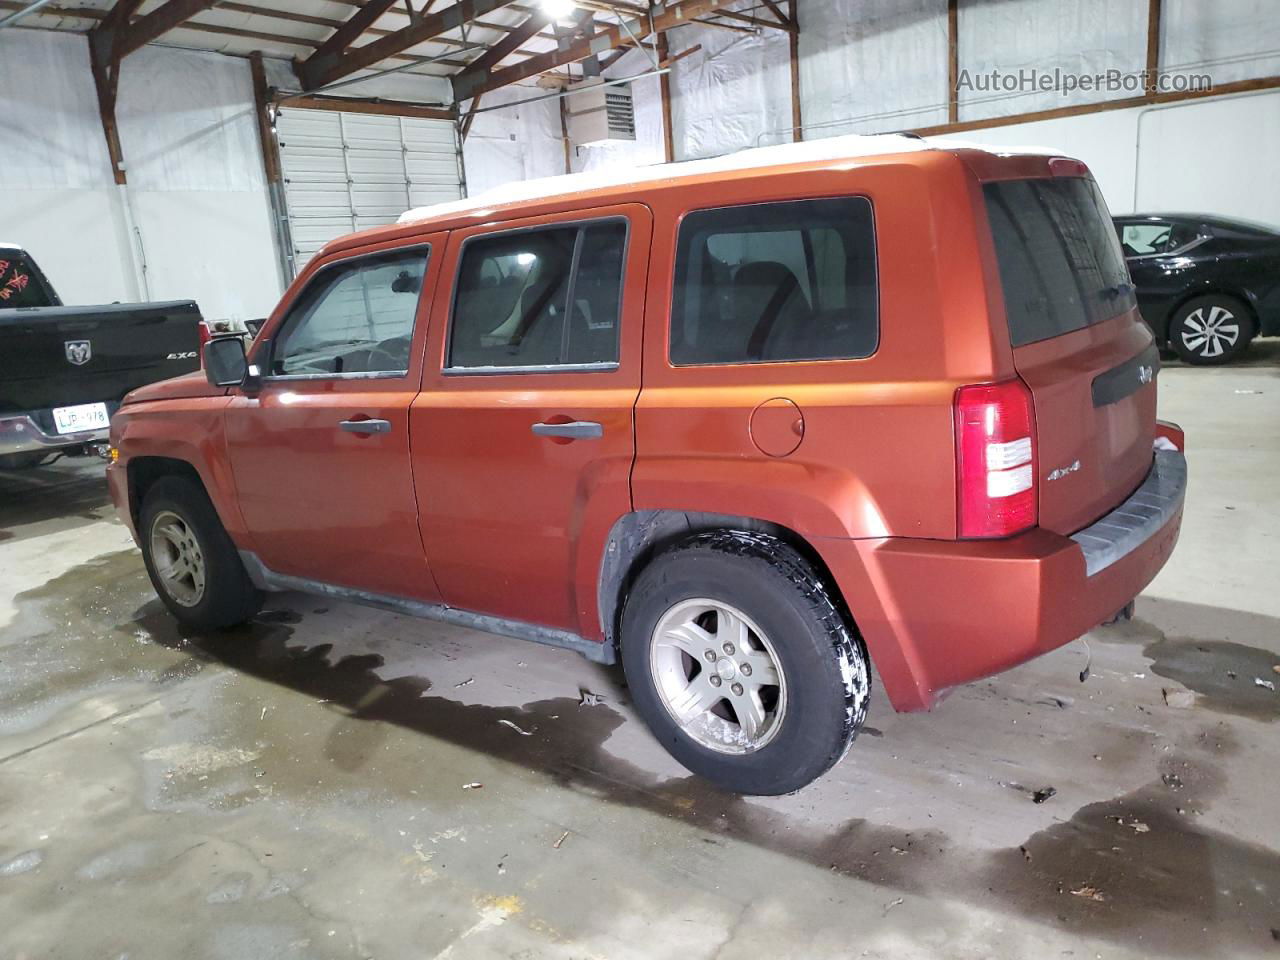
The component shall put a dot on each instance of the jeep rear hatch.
(60, 356)
(1078, 344)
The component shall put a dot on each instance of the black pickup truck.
(64, 370)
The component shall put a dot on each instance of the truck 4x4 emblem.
(1061, 472)
(78, 351)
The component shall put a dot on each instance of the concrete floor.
(299, 789)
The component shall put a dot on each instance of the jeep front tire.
(192, 563)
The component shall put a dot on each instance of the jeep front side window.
(356, 317)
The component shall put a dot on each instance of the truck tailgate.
(57, 356)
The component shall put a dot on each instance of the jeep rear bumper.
(936, 613)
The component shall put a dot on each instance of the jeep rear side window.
(514, 289)
(773, 282)
(355, 317)
(1061, 266)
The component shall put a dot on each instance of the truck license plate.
(78, 419)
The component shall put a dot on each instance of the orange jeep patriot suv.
(746, 425)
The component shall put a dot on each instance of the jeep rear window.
(1061, 266)
(775, 282)
(20, 286)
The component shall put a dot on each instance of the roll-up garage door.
(350, 171)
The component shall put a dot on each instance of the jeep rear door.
(320, 453)
(1078, 342)
(523, 433)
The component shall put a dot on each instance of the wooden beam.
(733, 27)
(1154, 8)
(470, 118)
(776, 11)
(607, 39)
(105, 53)
(418, 31)
(797, 115)
(159, 22)
(262, 111)
(342, 38)
(953, 61)
(105, 83)
(1057, 113)
(664, 89)
(478, 70)
(754, 21)
(386, 108)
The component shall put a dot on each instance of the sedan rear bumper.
(936, 614)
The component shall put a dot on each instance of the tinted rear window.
(1061, 267)
(20, 286)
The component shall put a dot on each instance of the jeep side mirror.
(225, 364)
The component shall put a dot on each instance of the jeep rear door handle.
(365, 426)
(574, 430)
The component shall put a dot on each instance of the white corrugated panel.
(351, 171)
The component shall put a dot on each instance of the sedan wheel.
(1210, 330)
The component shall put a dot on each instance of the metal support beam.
(607, 39)
(419, 31)
(25, 11)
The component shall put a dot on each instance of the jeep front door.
(320, 453)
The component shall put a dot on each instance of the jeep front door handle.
(365, 426)
(574, 430)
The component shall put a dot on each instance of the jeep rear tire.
(741, 664)
(192, 563)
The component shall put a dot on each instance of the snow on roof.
(850, 147)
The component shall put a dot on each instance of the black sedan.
(1206, 285)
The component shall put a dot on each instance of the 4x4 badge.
(78, 351)
(1063, 471)
(1145, 374)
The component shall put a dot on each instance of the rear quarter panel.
(876, 456)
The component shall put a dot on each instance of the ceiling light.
(557, 9)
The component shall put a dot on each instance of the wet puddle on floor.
(1139, 868)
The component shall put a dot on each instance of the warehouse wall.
(873, 66)
(193, 221)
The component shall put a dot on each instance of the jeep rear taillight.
(995, 459)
